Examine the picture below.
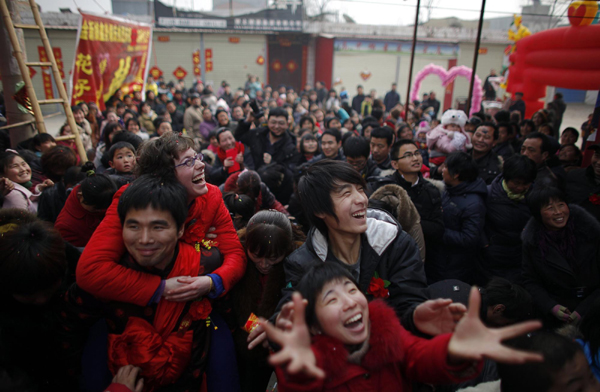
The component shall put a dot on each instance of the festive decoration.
(378, 287)
(291, 66)
(22, 99)
(554, 57)
(251, 324)
(180, 73)
(46, 76)
(208, 57)
(447, 77)
(156, 72)
(196, 62)
(582, 13)
(365, 75)
(260, 60)
(276, 66)
(234, 40)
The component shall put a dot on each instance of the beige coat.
(192, 118)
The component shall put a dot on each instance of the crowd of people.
(237, 240)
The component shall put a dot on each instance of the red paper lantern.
(291, 66)
(276, 66)
(180, 73)
(260, 60)
(155, 72)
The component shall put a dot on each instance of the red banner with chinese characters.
(46, 73)
(196, 62)
(208, 60)
(112, 53)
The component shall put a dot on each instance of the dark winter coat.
(391, 99)
(385, 249)
(357, 102)
(505, 150)
(552, 280)
(504, 222)
(428, 201)
(581, 186)
(464, 218)
(489, 165)
(52, 201)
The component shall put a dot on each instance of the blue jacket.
(464, 217)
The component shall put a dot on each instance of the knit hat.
(423, 127)
(457, 117)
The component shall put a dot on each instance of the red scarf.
(162, 354)
(222, 154)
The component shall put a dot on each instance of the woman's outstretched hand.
(295, 354)
(473, 341)
(435, 317)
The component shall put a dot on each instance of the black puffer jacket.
(551, 279)
(385, 249)
(504, 223)
(581, 184)
(464, 217)
(489, 165)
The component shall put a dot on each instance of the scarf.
(162, 354)
(511, 195)
(222, 154)
(27, 185)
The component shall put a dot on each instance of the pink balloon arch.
(447, 77)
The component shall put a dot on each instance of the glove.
(561, 313)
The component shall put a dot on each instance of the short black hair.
(538, 376)
(118, 146)
(269, 234)
(546, 143)
(318, 182)
(97, 189)
(541, 196)
(529, 123)
(218, 133)
(33, 253)
(160, 193)
(307, 136)
(519, 167)
(313, 282)
(159, 120)
(377, 113)
(509, 128)
(502, 116)
(132, 119)
(383, 133)
(518, 303)
(396, 147)
(333, 132)
(356, 147)
(76, 108)
(306, 118)
(491, 125)
(41, 138)
(462, 164)
(278, 112)
(568, 129)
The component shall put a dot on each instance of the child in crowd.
(338, 341)
(448, 137)
(121, 161)
(421, 141)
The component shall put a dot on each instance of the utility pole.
(11, 75)
(475, 57)
(412, 58)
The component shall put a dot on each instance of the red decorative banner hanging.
(46, 76)
(208, 60)
(180, 73)
(196, 62)
(112, 53)
(291, 66)
(155, 72)
(260, 60)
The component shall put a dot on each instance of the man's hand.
(186, 288)
(267, 158)
(473, 341)
(435, 317)
(209, 233)
(127, 375)
(239, 158)
(574, 318)
(228, 163)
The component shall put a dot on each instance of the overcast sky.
(376, 12)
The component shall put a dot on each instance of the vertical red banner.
(59, 63)
(46, 74)
(196, 62)
(208, 60)
(449, 91)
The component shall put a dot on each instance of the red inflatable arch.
(566, 57)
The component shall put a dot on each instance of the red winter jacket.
(100, 275)
(395, 359)
(76, 224)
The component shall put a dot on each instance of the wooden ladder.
(35, 103)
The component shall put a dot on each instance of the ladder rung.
(68, 137)
(47, 101)
(26, 26)
(19, 124)
(39, 64)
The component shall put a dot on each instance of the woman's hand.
(473, 341)
(209, 233)
(239, 158)
(127, 375)
(283, 322)
(435, 317)
(44, 185)
(186, 288)
(6, 186)
(295, 354)
(561, 313)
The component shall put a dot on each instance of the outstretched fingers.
(273, 333)
(518, 329)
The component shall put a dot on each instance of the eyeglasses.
(410, 155)
(191, 161)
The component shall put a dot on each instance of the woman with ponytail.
(86, 206)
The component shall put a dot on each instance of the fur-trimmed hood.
(396, 197)
(587, 227)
